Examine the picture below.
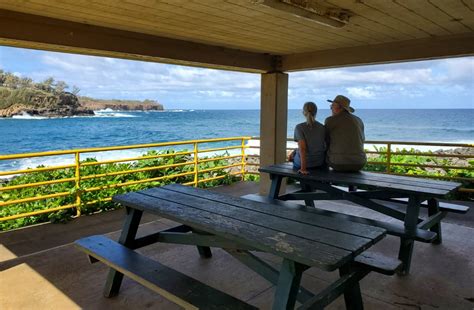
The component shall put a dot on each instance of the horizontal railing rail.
(200, 161)
(383, 154)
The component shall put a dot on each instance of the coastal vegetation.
(50, 98)
(411, 163)
(107, 182)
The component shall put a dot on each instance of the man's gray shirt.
(345, 138)
(314, 137)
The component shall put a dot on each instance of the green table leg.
(411, 223)
(288, 285)
(275, 186)
(433, 208)
(308, 189)
(352, 295)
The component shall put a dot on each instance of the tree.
(75, 90)
(46, 85)
(60, 87)
(11, 80)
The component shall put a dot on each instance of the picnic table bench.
(239, 226)
(382, 193)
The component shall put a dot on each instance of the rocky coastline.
(120, 105)
(67, 105)
(63, 105)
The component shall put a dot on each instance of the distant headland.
(49, 98)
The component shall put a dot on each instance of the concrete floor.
(40, 268)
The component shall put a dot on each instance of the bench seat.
(169, 283)
(396, 229)
(443, 206)
(378, 263)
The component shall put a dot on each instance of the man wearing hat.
(344, 137)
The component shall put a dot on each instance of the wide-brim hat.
(344, 102)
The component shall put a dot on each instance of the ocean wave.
(448, 129)
(112, 114)
(25, 115)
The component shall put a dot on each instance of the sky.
(434, 84)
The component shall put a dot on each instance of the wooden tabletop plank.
(329, 176)
(298, 249)
(440, 184)
(338, 178)
(329, 237)
(300, 216)
(421, 182)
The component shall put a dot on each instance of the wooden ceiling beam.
(38, 32)
(401, 51)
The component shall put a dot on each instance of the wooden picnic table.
(382, 193)
(239, 226)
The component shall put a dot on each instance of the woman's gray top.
(314, 136)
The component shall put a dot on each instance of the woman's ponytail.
(309, 111)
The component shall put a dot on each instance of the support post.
(273, 123)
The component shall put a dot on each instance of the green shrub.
(411, 156)
(64, 215)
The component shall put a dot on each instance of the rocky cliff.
(20, 95)
(46, 105)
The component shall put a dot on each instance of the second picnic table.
(382, 193)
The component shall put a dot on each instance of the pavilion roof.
(245, 35)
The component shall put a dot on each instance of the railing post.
(196, 164)
(244, 162)
(78, 183)
(389, 157)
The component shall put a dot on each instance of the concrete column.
(273, 122)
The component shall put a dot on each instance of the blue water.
(124, 128)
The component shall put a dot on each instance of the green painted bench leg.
(433, 208)
(127, 237)
(352, 295)
(288, 285)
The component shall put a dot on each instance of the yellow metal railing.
(76, 191)
(237, 163)
(389, 149)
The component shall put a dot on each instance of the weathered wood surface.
(375, 180)
(243, 221)
(396, 229)
(378, 262)
(171, 284)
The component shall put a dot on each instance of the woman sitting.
(310, 136)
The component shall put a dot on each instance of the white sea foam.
(111, 113)
(25, 115)
(63, 160)
(108, 110)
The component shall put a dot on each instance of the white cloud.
(361, 93)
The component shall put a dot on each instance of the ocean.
(24, 133)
